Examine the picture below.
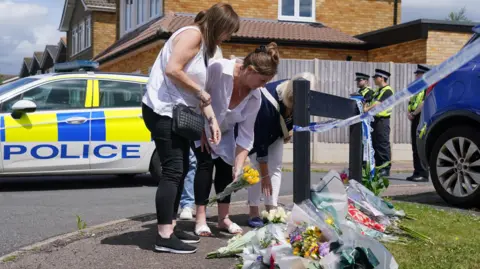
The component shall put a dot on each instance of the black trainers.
(185, 237)
(173, 245)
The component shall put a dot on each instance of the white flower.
(281, 211)
(264, 214)
(271, 216)
(283, 220)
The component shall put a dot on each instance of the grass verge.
(455, 235)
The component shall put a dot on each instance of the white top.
(220, 88)
(162, 94)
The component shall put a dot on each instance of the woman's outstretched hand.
(215, 131)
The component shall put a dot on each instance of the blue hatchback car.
(448, 135)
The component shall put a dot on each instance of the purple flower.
(324, 249)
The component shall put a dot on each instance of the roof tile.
(249, 29)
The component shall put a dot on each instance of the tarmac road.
(34, 209)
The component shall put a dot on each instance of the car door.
(53, 138)
(119, 137)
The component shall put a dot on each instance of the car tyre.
(452, 172)
(155, 167)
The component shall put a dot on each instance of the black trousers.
(202, 183)
(173, 151)
(419, 170)
(381, 141)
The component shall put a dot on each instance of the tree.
(1, 79)
(458, 16)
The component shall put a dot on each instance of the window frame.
(20, 94)
(81, 38)
(296, 17)
(140, 91)
(133, 12)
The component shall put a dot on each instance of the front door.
(53, 138)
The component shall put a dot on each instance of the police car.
(75, 122)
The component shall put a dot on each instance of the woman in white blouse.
(178, 77)
(235, 100)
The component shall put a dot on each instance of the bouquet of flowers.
(275, 216)
(308, 242)
(249, 177)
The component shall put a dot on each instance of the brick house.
(35, 65)
(48, 58)
(316, 31)
(90, 27)
(420, 41)
(25, 69)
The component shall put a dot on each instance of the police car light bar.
(78, 65)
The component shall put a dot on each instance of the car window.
(15, 84)
(119, 94)
(59, 95)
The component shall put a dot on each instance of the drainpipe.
(395, 12)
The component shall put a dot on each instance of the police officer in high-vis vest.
(381, 123)
(363, 88)
(414, 109)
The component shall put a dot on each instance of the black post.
(301, 141)
(355, 154)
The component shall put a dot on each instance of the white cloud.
(25, 28)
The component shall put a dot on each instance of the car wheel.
(155, 167)
(455, 166)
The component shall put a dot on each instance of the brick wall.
(356, 16)
(442, 45)
(142, 59)
(407, 52)
(349, 16)
(104, 27)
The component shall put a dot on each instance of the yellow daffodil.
(329, 221)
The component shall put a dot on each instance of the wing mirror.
(22, 107)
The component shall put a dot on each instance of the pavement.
(128, 243)
(36, 208)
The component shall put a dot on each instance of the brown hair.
(264, 59)
(216, 21)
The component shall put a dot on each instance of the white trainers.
(186, 214)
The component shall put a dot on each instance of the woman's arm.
(185, 46)
(245, 136)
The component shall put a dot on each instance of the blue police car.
(75, 121)
(448, 135)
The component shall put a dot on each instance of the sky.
(28, 25)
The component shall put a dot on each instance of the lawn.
(456, 238)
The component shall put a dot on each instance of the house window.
(74, 41)
(82, 36)
(296, 10)
(154, 8)
(134, 13)
(88, 32)
(141, 18)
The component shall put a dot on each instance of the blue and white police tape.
(433, 76)
(368, 152)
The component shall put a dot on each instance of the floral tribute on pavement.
(341, 226)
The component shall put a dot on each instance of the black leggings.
(204, 176)
(173, 151)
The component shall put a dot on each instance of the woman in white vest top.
(178, 77)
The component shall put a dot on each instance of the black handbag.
(187, 123)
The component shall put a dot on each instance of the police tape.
(433, 76)
(368, 151)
